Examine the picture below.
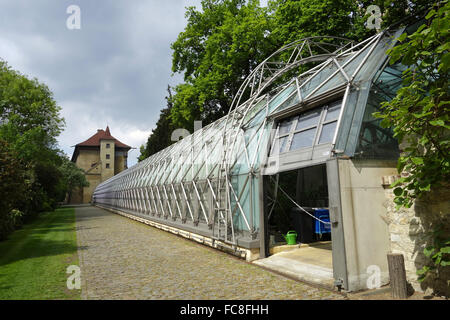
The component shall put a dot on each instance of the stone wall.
(94, 180)
(410, 229)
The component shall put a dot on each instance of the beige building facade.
(101, 157)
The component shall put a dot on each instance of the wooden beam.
(397, 275)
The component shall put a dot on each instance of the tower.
(101, 157)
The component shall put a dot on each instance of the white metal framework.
(208, 182)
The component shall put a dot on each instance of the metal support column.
(337, 228)
(263, 217)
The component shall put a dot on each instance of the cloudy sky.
(113, 71)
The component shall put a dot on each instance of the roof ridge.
(101, 134)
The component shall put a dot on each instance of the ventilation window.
(330, 122)
(310, 128)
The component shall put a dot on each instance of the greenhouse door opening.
(298, 225)
(298, 204)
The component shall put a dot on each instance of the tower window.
(107, 166)
(107, 145)
(107, 156)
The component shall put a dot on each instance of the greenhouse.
(299, 150)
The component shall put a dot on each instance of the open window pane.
(327, 132)
(308, 119)
(285, 126)
(303, 139)
(333, 111)
(279, 145)
(300, 131)
(283, 144)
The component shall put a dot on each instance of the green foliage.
(419, 113)
(14, 184)
(217, 50)
(34, 174)
(438, 253)
(71, 178)
(295, 20)
(29, 116)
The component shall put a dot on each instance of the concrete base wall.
(366, 233)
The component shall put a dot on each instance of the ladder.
(223, 228)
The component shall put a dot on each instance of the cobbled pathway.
(124, 259)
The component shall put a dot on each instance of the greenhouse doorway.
(297, 202)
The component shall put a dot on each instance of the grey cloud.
(117, 66)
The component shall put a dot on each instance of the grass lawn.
(33, 261)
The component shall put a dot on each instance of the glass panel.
(308, 119)
(327, 132)
(257, 108)
(275, 102)
(283, 142)
(336, 81)
(333, 111)
(376, 58)
(285, 126)
(279, 145)
(374, 141)
(292, 100)
(303, 139)
(344, 137)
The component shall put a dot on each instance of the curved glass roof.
(209, 182)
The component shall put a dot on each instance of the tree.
(13, 186)
(295, 20)
(29, 117)
(419, 113)
(72, 178)
(27, 104)
(29, 124)
(218, 49)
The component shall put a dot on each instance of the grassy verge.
(33, 261)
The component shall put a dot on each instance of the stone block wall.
(410, 229)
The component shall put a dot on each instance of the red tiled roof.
(94, 141)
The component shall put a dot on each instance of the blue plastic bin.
(324, 215)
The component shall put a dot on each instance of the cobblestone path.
(124, 259)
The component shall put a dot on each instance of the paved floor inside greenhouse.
(311, 263)
(123, 259)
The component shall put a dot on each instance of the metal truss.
(208, 181)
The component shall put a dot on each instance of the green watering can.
(291, 237)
